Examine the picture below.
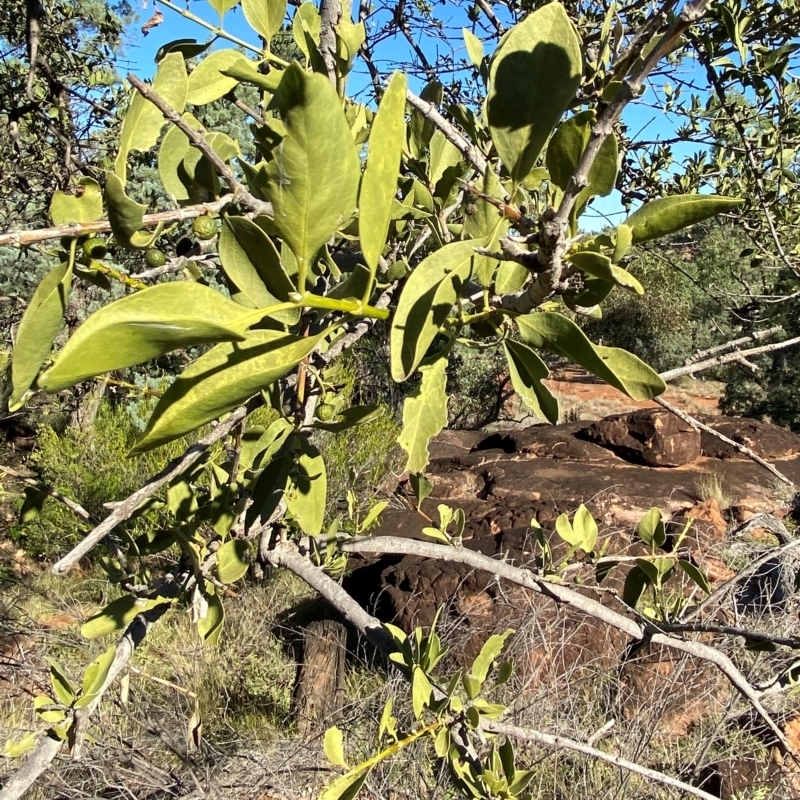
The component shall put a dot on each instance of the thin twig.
(198, 140)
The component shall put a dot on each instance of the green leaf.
(421, 129)
(52, 715)
(635, 583)
(345, 787)
(334, 747)
(696, 574)
(37, 330)
(600, 266)
(62, 687)
(246, 72)
(252, 262)
(351, 417)
(651, 528)
(232, 560)
(310, 200)
(222, 6)
(125, 216)
(424, 414)
(486, 225)
(210, 626)
(12, 749)
(307, 489)
(472, 686)
(265, 16)
(421, 691)
(174, 148)
(379, 184)
(425, 303)
(491, 649)
(143, 121)
(144, 326)
(32, 505)
(421, 487)
(527, 371)
(441, 744)
(586, 528)
(443, 154)
(565, 149)
(669, 214)
(623, 242)
(533, 77)
(387, 724)
(117, 615)
(474, 47)
(188, 48)
(85, 206)
(95, 676)
(554, 332)
(206, 81)
(218, 381)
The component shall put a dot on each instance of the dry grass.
(710, 486)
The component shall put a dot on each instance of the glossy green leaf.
(174, 148)
(143, 121)
(210, 626)
(222, 6)
(206, 81)
(527, 371)
(491, 649)
(474, 47)
(12, 749)
(424, 415)
(62, 686)
(118, 615)
(565, 149)
(50, 715)
(628, 373)
(218, 381)
(622, 242)
(125, 215)
(306, 25)
(421, 129)
(333, 745)
(636, 582)
(669, 214)
(232, 560)
(651, 528)
(601, 267)
(265, 16)
(533, 77)
(425, 303)
(37, 330)
(310, 200)
(350, 417)
(144, 326)
(250, 257)
(86, 205)
(585, 526)
(379, 184)
(188, 48)
(483, 223)
(696, 574)
(421, 691)
(246, 72)
(94, 676)
(307, 489)
(511, 277)
(345, 787)
(421, 487)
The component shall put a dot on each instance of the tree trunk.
(320, 690)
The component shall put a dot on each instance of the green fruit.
(326, 412)
(95, 248)
(153, 257)
(204, 227)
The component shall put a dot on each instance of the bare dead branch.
(757, 336)
(727, 358)
(329, 11)
(559, 742)
(104, 226)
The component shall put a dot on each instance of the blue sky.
(140, 52)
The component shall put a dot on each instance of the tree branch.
(126, 508)
(558, 742)
(198, 140)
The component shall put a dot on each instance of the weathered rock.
(763, 438)
(654, 437)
